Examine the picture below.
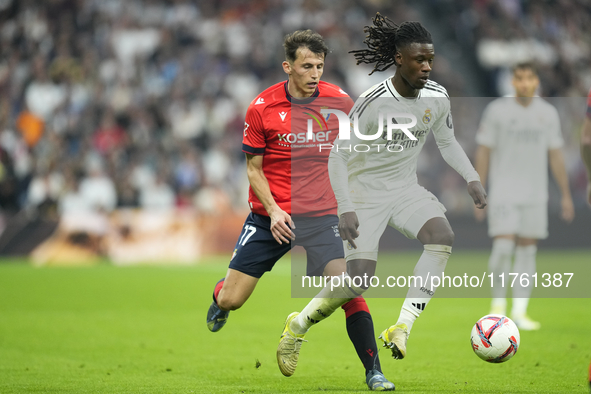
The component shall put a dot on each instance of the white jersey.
(519, 138)
(375, 168)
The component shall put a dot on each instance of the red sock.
(355, 305)
(217, 289)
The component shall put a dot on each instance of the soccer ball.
(495, 338)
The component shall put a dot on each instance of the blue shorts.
(256, 251)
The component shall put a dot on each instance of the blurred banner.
(125, 237)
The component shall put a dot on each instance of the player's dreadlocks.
(385, 38)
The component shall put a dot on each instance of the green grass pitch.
(142, 330)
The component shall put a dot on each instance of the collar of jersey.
(306, 100)
(397, 95)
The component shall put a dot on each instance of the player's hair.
(303, 38)
(385, 38)
(525, 66)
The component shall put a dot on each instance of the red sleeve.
(589, 104)
(348, 104)
(253, 141)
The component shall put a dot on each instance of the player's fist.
(478, 194)
(281, 225)
(348, 224)
(568, 209)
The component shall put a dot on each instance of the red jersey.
(589, 104)
(276, 127)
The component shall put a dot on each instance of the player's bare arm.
(482, 160)
(586, 152)
(559, 172)
(281, 223)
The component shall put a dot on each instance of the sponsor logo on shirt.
(260, 100)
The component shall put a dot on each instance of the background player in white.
(381, 187)
(516, 137)
(586, 145)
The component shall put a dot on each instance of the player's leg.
(320, 246)
(525, 264)
(533, 226)
(340, 290)
(297, 324)
(229, 294)
(503, 223)
(421, 217)
(360, 329)
(256, 252)
(499, 264)
(236, 289)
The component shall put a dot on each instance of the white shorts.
(527, 221)
(407, 211)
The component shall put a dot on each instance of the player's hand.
(479, 214)
(281, 226)
(348, 224)
(477, 193)
(568, 209)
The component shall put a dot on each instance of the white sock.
(525, 263)
(324, 304)
(499, 264)
(431, 263)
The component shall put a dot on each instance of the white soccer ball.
(495, 338)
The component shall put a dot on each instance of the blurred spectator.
(109, 136)
(162, 86)
(31, 127)
(158, 196)
(97, 189)
(45, 190)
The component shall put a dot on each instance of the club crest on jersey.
(327, 116)
(427, 117)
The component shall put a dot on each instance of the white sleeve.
(338, 160)
(450, 149)
(339, 176)
(555, 139)
(486, 135)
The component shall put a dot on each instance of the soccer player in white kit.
(516, 137)
(379, 187)
(586, 145)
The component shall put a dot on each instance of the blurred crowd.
(555, 34)
(141, 103)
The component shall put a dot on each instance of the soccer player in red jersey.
(586, 146)
(277, 222)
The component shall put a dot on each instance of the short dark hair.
(303, 38)
(525, 66)
(385, 38)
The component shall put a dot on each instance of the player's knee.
(450, 237)
(361, 272)
(443, 237)
(229, 303)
